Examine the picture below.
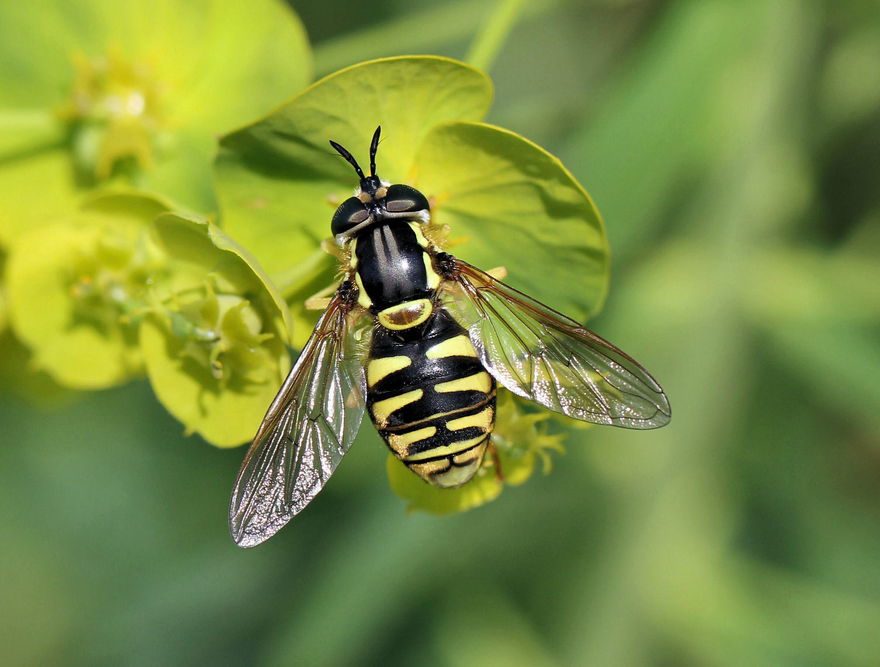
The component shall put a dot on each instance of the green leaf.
(73, 287)
(518, 207)
(97, 91)
(214, 342)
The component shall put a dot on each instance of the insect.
(421, 340)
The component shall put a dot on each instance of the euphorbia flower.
(102, 92)
(126, 287)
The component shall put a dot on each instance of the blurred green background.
(733, 149)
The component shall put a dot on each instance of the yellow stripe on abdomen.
(454, 469)
(401, 443)
(460, 346)
(451, 449)
(385, 366)
(382, 410)
(481, 381)
(483, 420)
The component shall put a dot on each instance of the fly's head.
(375, 200)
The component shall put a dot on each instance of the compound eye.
(402, 198)
(349, 215)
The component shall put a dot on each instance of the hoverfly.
(420, 339)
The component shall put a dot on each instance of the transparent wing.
(546, 357)
(306, 432)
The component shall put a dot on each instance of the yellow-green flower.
(134, 92)
(126, 288)
(214, 340)
(76, 286)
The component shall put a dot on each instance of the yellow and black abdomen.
(431, 399)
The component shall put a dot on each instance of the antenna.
(373, 146)
(348, 156)
(369, 184)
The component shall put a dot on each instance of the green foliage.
(75, 288)
(100, 96)
(117, 291)
(214, 341)
(516, 205)
(100, 92)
